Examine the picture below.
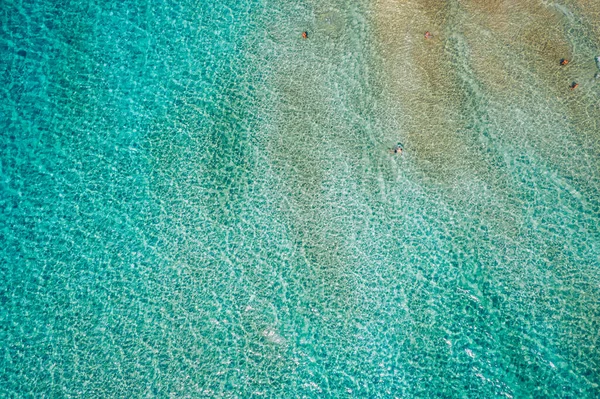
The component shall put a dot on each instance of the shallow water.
(196, 202)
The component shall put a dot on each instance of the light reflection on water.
(199, 202)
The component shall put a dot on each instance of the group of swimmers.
(574, 85)
(398, 148)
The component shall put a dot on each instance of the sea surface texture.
(196, 202)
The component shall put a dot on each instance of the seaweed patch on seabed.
(302, 149)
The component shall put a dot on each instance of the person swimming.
(574, 86)
(305, 35)
(398, 148)
(564, 62)
(428, 35)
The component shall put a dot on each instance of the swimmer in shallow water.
(305, 35)
(398, 148)
(428, 35)
(574, 86)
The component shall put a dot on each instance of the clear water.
(196, 202)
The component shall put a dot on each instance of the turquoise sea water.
(196, 202)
